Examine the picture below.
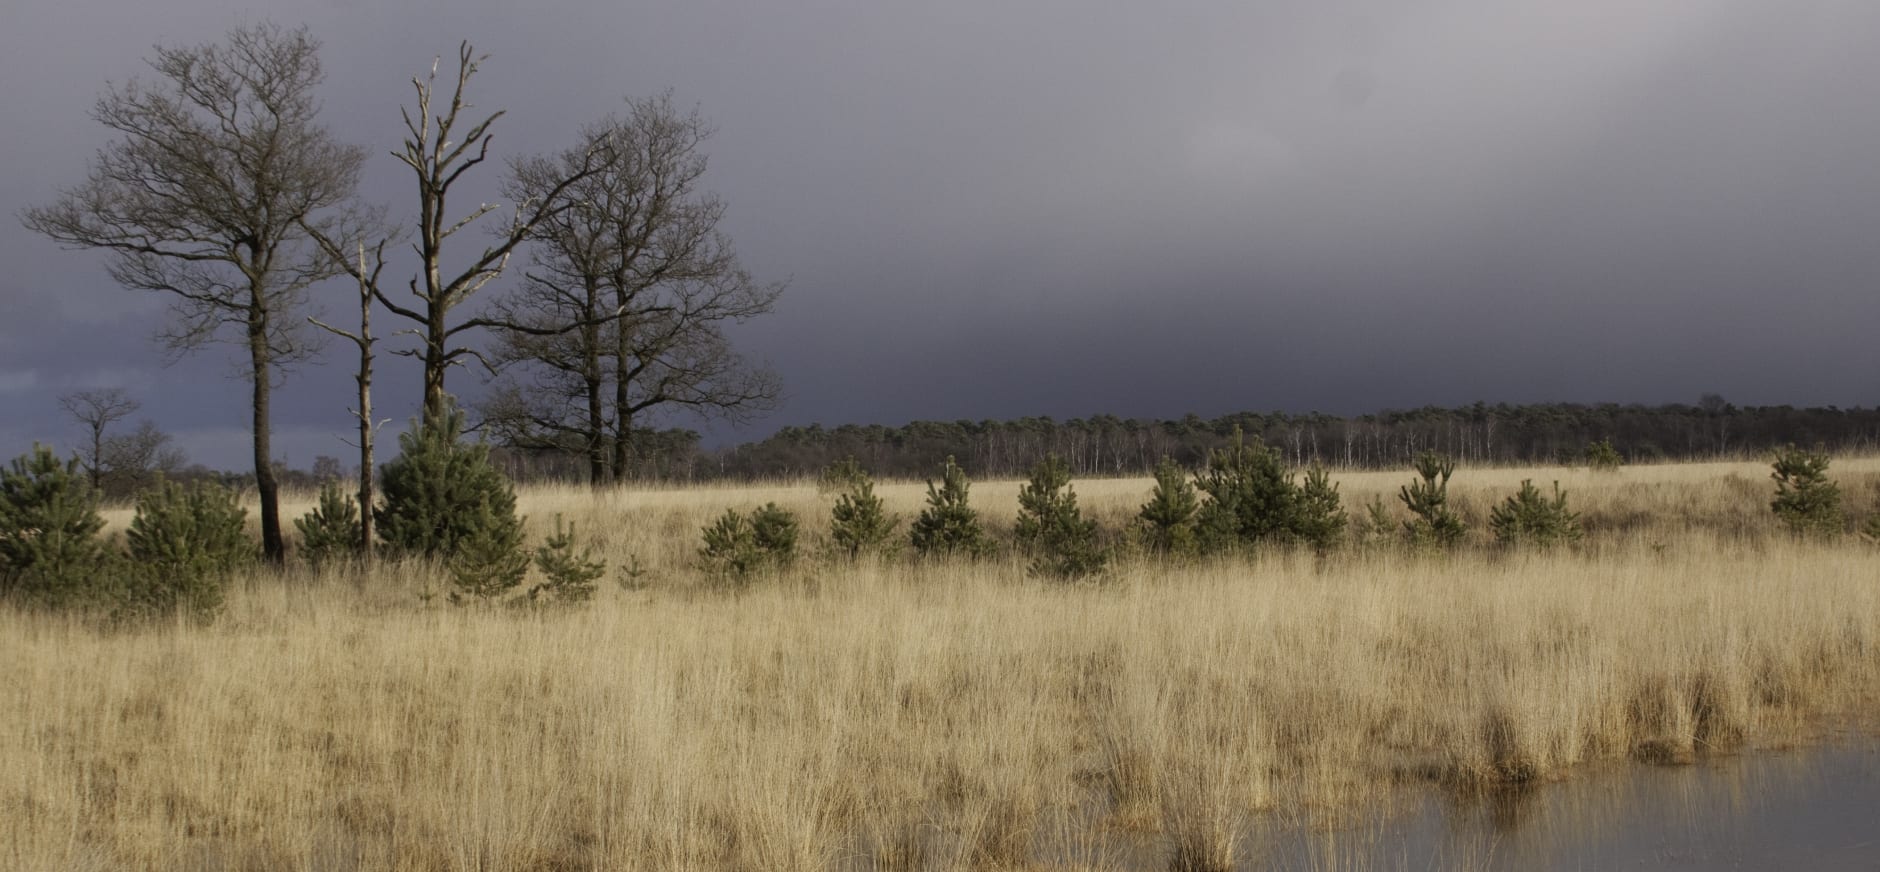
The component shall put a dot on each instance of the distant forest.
(1105, 445)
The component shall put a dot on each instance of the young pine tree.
(330, 532)
(858, 523)
(1320, 518)
(1376, 528)
(184, 543)
(50, 553)
(1528, 518)
(569, 574)
(1434, 524)
(1807, 502)
(1602, 457)
(738, 546)
(1166, 523)
(949, 526)
(1052, 529)
(440, 495)
(1251, 499)
(490, 561)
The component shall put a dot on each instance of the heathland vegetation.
(433, 669)
(871, 706)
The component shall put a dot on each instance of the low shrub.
(331, 531)
(949, 526)
(1527, 518)
(50, 551)
(1052, 529)
(184, 543)
(1807, 502)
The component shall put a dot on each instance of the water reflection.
(1812, 809)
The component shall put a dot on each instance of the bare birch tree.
(219, 167)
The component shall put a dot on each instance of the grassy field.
(896, 715)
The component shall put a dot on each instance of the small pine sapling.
(1602, 457)
(738, 546)
(1528, 518)
(1376, 528)
(949, 525)
(183, 543)
(569, 575)
(773, 529)
(50, 553)
(858, 523)
(489, 560)
(1434, 524)
(1251, 499)
(1807, 502)
(1166, 523)
(330, 532)
(1052, 529)
(1320, 518)
(440, 492)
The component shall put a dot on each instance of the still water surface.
(1808, 809)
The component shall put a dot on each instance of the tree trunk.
(434, 364)
(272, 546)
(365, 411)
(596, 414)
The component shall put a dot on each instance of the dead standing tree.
(206, 196)
(632, 284)
(368, 282)
(439, 161)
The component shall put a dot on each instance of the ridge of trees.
(1107, 445)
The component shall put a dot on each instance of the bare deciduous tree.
(622, 313)
(97, 410)
(439, 150)
(219, 168)
(132, 461)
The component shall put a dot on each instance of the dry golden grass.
(891, 715)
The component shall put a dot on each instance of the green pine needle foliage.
(1602, 457)
(1376, 528)
(1528, 518)
(1433, 523)
(50, 553)
(184, 543)
(858, 523)
(949, 526)
(1051, 528)
(1166, 523)
(569, 575)
(1807, 502)
(441, 494)
(1251, 498)
(739, 546)
(774, 530)
(1320, 519)
(330, 533)
(488, 560)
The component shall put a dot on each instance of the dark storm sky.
(1066, 208)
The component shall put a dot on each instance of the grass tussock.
(897, 714)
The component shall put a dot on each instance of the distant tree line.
(1106, 445)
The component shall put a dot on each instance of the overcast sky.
(995, 209)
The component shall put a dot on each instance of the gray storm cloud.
(1002, 209)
